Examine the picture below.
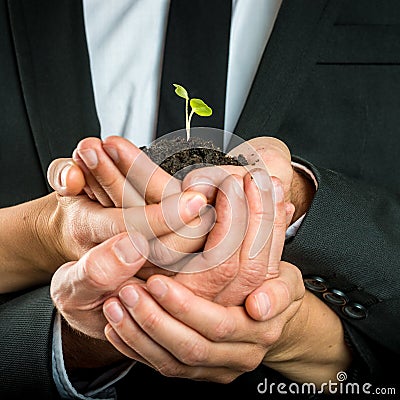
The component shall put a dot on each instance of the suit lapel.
(54, 73)
(299, 30)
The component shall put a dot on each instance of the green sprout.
(197, 106)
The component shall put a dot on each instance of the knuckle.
(193, 352)
(280, 224)
(151, 323)
(94, 272)
(161, 254)
(60, 293)
(224, 273)
(109, 183)
(133, 338)
(254, 360)
(283, 291)
(57, 297)
(210, 285)
(116, 226)
(79, 233)
(252, 273)
(162, 216)
(172, 369)
(224, 329)
(295, 278)
(271, 335)
(182, 307)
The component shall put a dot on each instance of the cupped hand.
(77, 224)
(108, 165)
(168, 327)
(244, 247)
(117, 174)
(263, 152)
(79, 289)
(114, 172)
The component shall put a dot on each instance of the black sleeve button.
(315, 284)
(355, 311)
(336, 297)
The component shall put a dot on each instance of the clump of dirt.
(187, 155)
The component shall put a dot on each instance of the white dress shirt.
(125, 47)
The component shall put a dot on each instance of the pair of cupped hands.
(122, 218)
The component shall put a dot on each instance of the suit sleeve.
(348, 249)
(26, 324)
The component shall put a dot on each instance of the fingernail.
(290, 209)
(261, 179)
(89, 156)
(129, 296)
(157, 287)
(63, 175)
(238, 187)
(114, 312)
(278, 192)
(194, 204)
(112, 335)
(263, 304)
(112, 152)
(129, 252)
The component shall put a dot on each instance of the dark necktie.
(196, 57)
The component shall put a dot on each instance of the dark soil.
(179, 156)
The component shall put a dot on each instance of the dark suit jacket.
(328, 85)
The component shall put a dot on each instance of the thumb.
(99, 272)
(276, 295)
(65, 177)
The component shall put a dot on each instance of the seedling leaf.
(200, 108)
(181, 91)
(197, 106)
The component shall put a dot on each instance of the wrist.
(312, 347)
(302, 193)
(81, 351)
(47, 233)
(26, 254)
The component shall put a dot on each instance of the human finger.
(270, 153)
(254, 252)
(107, 174)
(113, 337)
(129, 339)
(169, 249)
(65, 177)
(216, 322)
(283, 215)
(150, 180)
(84, 223)
(250, 148)
(207, 180)
(172, 213)
(132, 340)
(92, 188)
(217, 260)
(274, 296)
(80, 287)
(186, 344)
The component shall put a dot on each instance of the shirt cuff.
(293, 228)
(99, 389)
